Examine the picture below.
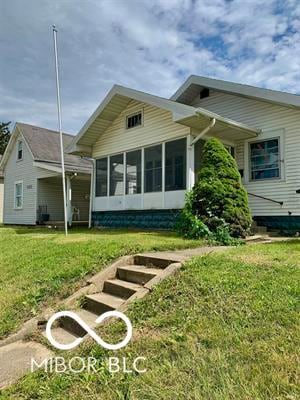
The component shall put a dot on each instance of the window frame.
(20, 142)
(262, 140)
(21, 195)
(162, 146)
(132, 115)
(107, 177)
(140, 172)
(184, 165)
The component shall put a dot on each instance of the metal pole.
(60, 130)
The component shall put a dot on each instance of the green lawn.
(225, 327)
(40, 266)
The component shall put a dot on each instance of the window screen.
(133, 172)
(101, 177)
(116, 169)
(175, 165)
(134, 120)
(153, 169)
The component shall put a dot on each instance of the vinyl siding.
(1, 199)
(22, 170)
(274, 120)
(157, 127)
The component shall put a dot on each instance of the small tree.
(4, 135)
(219, 196)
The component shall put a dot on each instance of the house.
(147, 150)
(1, 193)
(33, 184)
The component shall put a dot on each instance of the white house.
(1, 193)
(33, 184)
(147, 150)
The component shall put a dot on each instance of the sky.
(148, 45)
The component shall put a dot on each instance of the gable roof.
(193, 85)
(119, 97)
(44, 146)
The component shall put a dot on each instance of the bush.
(217, 206)
(219, 194)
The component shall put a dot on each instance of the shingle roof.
(45, 146)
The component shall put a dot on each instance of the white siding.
(22, 170)
(157, 127)
(1, 199)
(274, 120)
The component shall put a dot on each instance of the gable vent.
(204, 93)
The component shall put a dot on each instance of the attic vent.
(134, 120)
(204, 93)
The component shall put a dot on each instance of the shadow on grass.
(94, 231)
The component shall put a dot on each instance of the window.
(134, 120)
(18, 194)
(133, 172)
(175, 165)
(264, 159)
(153, 169)
(116, 180)
(101, 177)
(230, 149)
(20, 150)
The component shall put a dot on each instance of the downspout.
(205, 130)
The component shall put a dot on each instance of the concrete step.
(61, 335)
(137, 273)
(73, 327)
(153, 260)
(120, 288)
(99, 303)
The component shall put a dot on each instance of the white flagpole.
(60, 130)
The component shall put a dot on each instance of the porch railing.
(267, 199)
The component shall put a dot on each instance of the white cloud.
(151, 46)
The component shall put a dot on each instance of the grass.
(225, 327)
(40, 266)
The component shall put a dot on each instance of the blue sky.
(147, 45)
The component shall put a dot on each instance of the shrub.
(217, 207)
(219, 195)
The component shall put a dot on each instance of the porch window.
(18, 195)
(153, 169)
(116, 182)
(20, 150)
(265, 159)
(101, 177)
(133, 172)
(175, 165)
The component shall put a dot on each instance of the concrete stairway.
(131, 279)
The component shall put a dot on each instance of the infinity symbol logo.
(93, 334)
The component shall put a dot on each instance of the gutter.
(205, 130)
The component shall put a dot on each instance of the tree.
(219, 196)
(4, 135)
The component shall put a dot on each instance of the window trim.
(20, 141)
(132, 115)
(267, 139)
(15, 195)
